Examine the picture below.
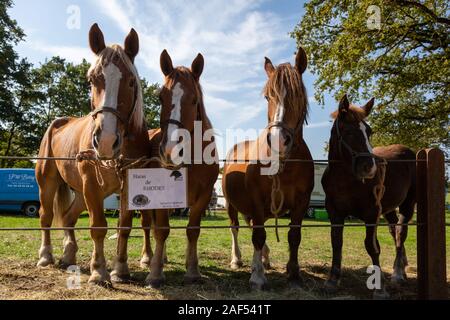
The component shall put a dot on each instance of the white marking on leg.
(258, 278)
(235, 251)
(363, 128)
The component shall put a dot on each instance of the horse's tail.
(61, 204)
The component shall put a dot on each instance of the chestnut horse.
(249, 192)
(181, 106)
(116, 126)
(349, 182)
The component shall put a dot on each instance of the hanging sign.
(157, 189)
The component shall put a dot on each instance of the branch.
(424, 9)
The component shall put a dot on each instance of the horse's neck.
(137, 142)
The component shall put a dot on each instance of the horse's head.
(350, 138)
(181, 100)
(116, 92)
(287, 103)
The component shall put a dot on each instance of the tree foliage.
(404, 64)
(32, 97)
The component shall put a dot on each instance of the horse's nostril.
(116, 143)
(269, 139)
(95, 139)
(287, 140)
(181, 153)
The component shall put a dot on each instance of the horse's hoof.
(235, 265)
(154, 283)
(330, 287)
(381, 295)
(101, 280)
(296, 283)
(145, 262)
(260, 286)
(64, 265)
(190, 280)
(398, 280)
(120, 278)
(45, 262)
(101, 283)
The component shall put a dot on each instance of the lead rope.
(275, 207)
(378, 193)
(120, 165)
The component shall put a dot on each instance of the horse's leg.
(97, 219)
(70, 243)
(258, 280)
(197, 211)
(46, 194)
(373, 249)
(156, 277)
(120, 272)
(399, 274)
(294, 239)
(265, 257)
(331, 285)
(147, 253)
(236, 260)
(401, 233)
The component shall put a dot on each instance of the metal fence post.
(431, 245)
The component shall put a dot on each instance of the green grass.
(20, 248)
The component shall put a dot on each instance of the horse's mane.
(354, 112)
(108, 55)
(288, 78)
(186, 74)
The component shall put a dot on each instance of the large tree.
(403, 62)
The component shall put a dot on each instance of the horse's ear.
(368, 107)
(166, 63)
(344, 105)
(132, 44)
(96, 39)
(197, 66)
(301, 60)
(268, 66)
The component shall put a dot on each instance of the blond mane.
(287, 79)
(107, 56)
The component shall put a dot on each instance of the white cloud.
(324, 124)
(70, 53)
(233, 35)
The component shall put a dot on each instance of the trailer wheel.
(31, 209)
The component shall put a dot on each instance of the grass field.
(20, 279)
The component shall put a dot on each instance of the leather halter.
(354, 154)
(179, 124)
(125, 121)
(291, 132)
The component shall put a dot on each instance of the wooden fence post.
(431, 245)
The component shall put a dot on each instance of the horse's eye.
(267, 98)
(132, 83)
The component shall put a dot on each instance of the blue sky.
(233, 35)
